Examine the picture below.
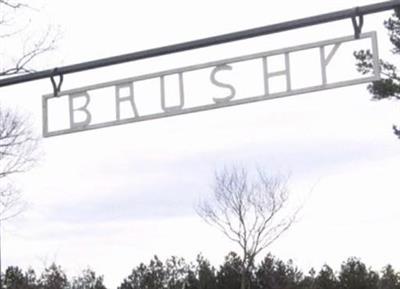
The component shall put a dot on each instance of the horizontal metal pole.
(205, 42)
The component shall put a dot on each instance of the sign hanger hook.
(56, 87)
(357, 25)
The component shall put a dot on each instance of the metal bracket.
(396, 130)
(357, 25)
(56, 87)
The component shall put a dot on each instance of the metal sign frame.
(218, 103)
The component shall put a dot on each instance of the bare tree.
(18, 144)
(18, 153)
(19, 47)
(18, 58)
(249, 210)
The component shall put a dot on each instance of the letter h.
(285, 72)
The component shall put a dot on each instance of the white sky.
(112, 198)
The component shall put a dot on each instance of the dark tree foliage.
(14, 278)
(173, 274)
(53, 277)
(204, 276)
(389, 86)
(229, 274)
(275, 274)
(390, 279)
(145, 277)
(270, 273)
(308, 281)
(355, 275)
(326, 279)
(88, 280)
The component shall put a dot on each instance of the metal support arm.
(205, 42)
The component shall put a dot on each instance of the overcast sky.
(112, 198)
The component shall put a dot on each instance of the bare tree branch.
(39, 47)
(29, 45)
(12, 4)
(249, 210)
(18, 153)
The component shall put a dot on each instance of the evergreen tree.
(275, 274)
(389, 86)
(157, 275)
(31, 280)
(355, 275)
(177, 272)
(88, 280)
(145, 277)
(14, 278)
(326, 279)
(204, 275)
(308, 281)
(389, 279)
(229, 274)
(53, 277)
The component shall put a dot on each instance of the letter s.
(221, 84)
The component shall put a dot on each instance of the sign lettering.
(221, 81)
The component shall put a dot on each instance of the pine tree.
(355, 275)
(53, 277)
(389, 85)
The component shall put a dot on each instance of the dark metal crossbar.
(200, 43)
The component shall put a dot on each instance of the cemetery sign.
(79, 110)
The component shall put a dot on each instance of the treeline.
(176, 273)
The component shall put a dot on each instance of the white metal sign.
(80, 108)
